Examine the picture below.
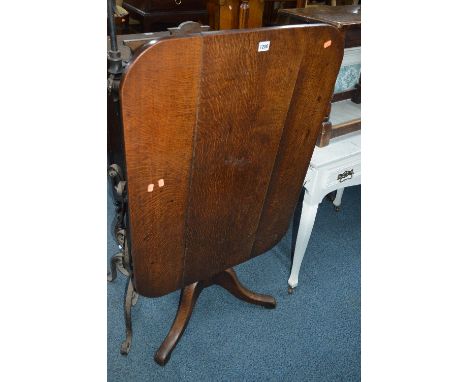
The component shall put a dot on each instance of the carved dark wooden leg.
(188, 298)
(130, 300)
(229, 281)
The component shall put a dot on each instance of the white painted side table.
(332, 168)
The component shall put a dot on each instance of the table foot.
(188, 297)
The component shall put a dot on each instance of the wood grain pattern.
(244, 102)
(159, 97)
(310, 104)
(231, 131)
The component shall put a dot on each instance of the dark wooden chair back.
(219, 129)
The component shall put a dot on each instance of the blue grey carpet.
(312, 335)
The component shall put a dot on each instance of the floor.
(312, 335)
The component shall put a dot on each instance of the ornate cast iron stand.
(121, 261)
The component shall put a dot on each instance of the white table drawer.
(343, 174)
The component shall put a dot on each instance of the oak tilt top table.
(218, 130)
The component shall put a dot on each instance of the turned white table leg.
(309, 211)
(337, 200)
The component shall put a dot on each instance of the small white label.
(263, 46)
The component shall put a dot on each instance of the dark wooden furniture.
(235, 14)
(122, 24)
(332, 130)
(271, 8)
(239, 14)
(218, 133)
(156, 15)
(347, 19)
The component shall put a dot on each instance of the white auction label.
(263, 46)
